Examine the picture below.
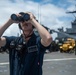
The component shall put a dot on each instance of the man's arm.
(46, 37)
(2, 30)
(2, 41)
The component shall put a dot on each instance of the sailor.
(26, 52)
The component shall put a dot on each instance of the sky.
(50, 13)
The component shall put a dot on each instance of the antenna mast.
(73, 12)
(39, 12)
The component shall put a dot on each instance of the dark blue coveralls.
(29, 61)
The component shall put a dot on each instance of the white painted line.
(60, 59)
(6, 63)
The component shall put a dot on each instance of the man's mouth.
(26, 24)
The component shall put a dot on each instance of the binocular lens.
(14, 17)
(26, 17)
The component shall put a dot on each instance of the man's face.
(26, 26)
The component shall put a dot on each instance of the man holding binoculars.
(26, 52)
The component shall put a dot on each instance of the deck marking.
(47, 60)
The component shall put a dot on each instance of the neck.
(27, 36)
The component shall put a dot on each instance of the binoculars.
(22, 18)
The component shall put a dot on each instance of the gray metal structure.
(71, 31)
